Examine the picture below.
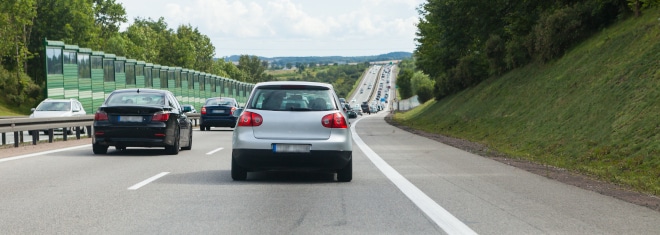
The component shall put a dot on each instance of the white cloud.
(291, 27)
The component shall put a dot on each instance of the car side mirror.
(32, 109)
(238, 112)
(187, 109)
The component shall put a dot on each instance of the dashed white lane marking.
(147, 181)
(214, 151)
(445, 220)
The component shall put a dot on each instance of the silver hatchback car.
(289, 125)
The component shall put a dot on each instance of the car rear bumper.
(218, 121)
(260, 159)
(133, 136)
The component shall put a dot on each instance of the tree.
(108, 16)
(404, 82)
(252, 66)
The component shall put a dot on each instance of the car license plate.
(219, 111)
(130, 118)
(291, 148)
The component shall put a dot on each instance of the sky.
(282, 28)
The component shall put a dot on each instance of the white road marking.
(43, 153)
(214, 151)
(145, 182)
(445, 220)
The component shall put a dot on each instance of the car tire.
(99, 149)
(238, 173)
(346, 174)
(189, 147)
(202, 128)
(208, 128)
(174, 149)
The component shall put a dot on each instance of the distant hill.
(282, 61)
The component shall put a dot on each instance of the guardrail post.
(16, 142)
(77, 132)
(4, 138)
(51, 136)
(65, 133)
(89, 131)
(35, 136)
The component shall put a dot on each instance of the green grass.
(594, 111)
(5, 111)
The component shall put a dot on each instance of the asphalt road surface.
(402, 184)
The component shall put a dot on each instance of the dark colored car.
(218, 112)
(141, 118)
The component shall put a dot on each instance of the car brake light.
(248, 118)
(160, 117)
(101, 116)
(334, 120)
(203, 109)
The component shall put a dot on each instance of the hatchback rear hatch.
(292, 125)
(292, 112)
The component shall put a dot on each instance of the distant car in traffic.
(218, 112)
(59, 108)
(272, 135)
(191, 107)
(141, 118)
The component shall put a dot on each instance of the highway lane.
(77, 192)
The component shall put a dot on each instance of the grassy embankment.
(595, 111)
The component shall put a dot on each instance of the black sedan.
(218, 112)
(141, 118)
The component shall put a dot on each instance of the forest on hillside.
(461, 43)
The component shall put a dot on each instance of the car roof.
(300, 83)
(138, 90)
(58, 100)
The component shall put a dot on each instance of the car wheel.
(69, 131)
(238, 173)
(189, 147)
(174, 149)
(99, 149)
(45, 132)
(208, 128)
(346, 174)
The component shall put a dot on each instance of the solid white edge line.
(445, 220)
(42, 153)
(145, 182)
(214, 151)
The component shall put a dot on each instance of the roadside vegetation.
(593, 109)
(344, 78)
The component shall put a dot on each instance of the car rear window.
(292, 99)
(141, 98)
(220, 101)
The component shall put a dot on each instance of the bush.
(424, 93)
(19, 90)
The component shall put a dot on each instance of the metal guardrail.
(20, 125)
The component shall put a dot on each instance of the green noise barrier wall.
(90, 76)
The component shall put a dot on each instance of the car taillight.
(334, 120)
(101, 116)
(203, 109)
(248, 118)
(160, 117)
